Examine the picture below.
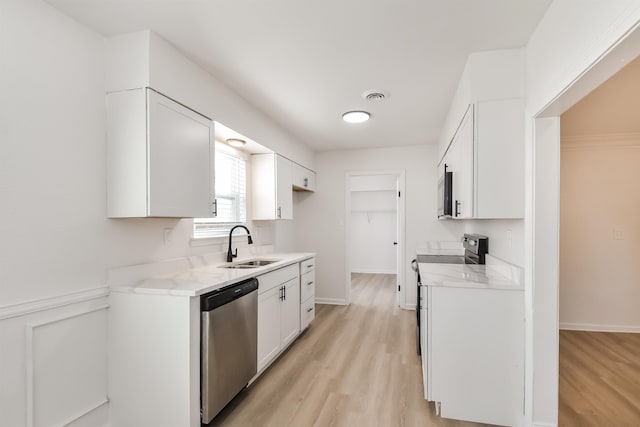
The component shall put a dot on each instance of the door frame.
(400, 225)
(542, 231)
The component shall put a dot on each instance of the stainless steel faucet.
(231, 255)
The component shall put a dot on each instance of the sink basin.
(251, 263)
(258, 262)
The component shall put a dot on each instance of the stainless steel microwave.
(445, 194)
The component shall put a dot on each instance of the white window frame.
(214, 228)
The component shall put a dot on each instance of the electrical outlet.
(168, 236)
(618, 234)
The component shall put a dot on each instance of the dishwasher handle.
(227, 294)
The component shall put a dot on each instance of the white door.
(290, 311)
(284, 191)
(398, 242)
(462, 166)
(268, 326)
(180, 159)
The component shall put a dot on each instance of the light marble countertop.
(494, 275)
(181, 278)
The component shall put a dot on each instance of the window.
(231, 195)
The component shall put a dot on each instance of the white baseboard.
(598, 328)
(331, 301)
(372, 271)
(544, 424)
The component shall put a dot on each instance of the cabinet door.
(290, 312)
(284, 195)
(180, 159)
(307, 285)
(461, 161)
(307, 313)
(500, 159)
(268, 326)
(303, 178)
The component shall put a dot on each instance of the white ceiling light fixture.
(236, 142)
(356, 116)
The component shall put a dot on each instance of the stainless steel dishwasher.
(229, 344)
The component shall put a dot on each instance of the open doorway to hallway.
(374, 231)
(599, 289)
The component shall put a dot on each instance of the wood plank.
(599, 379)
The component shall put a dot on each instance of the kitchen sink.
(251, 263)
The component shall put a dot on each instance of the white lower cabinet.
(474, 352)
(307, 292)
(289, 314)
(278, 312)
(268, 326)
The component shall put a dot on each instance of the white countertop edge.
(486, 277)
(192, 288)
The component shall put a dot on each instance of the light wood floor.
(599, 379)
(355, 366)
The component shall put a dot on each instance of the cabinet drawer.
(307, 285)
(277, 277)
(307, 313)
(307, 265)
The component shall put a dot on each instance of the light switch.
(617, 234)
(168, 236)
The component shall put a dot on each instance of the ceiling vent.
(375, 95)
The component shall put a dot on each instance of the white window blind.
(231, 197)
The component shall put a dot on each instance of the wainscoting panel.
(66, 367)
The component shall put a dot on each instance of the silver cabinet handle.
(309, 310)
(214, 211)
(306, 182)
(281, 293)
(279, 212)
(309, 265)
(309, 283)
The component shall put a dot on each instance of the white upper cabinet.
(271, 190)
(160, 157)
(482, 141)
(303, 178)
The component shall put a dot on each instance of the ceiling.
(304, 63)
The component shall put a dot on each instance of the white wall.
(572, 36)
(599, 229)
(57, 243)
(373, 230)
(506, 237)
(322, 228)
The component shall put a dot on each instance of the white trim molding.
(331, 301)
(588, 327)
(600, 142)
(372, 271)
(30, 307)
(544, 424)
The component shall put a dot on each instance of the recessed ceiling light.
(235, 142)
(356, 116)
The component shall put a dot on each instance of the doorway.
(598, 285)
(374, 227)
